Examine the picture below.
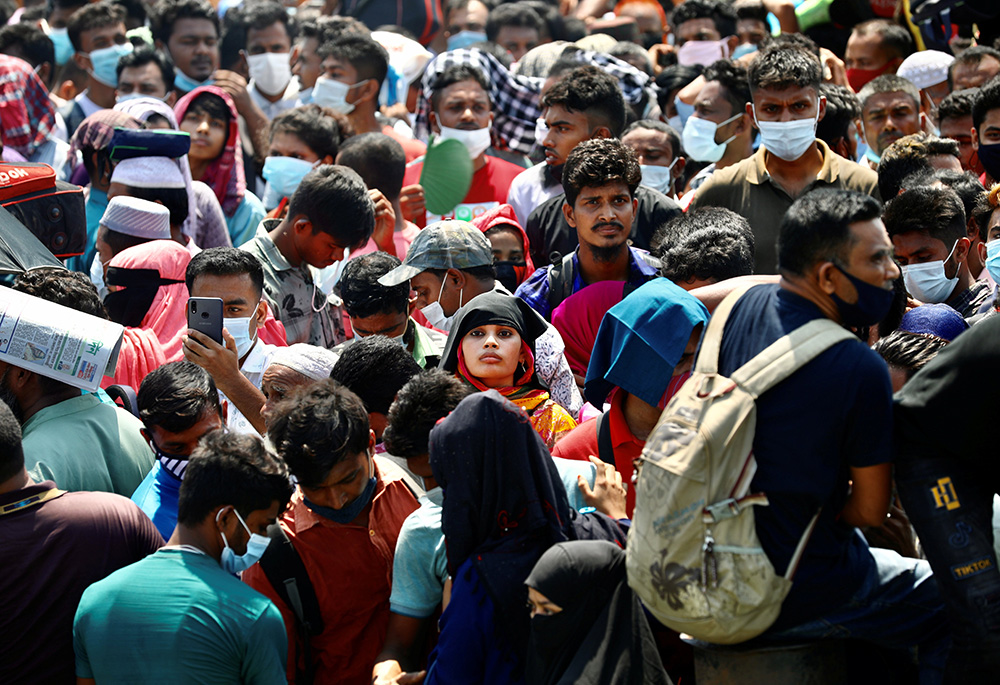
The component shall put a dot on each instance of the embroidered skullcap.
(135, 217)
(148, 172)
(309, 360)
(926, 68)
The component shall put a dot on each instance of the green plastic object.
(446, 176)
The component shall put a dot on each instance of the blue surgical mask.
(284, 174)
(237, 563)
(104, 63)
(928, 282)
(698, 139)
(872, 156)
(239, 328)
(63, 45)
(684, 111)
(186, 84)
(872, 305)
(351, 511)
(657, 177)
(464, 39)
(744, 49)
(993, 259)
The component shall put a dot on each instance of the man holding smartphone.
(237, 364)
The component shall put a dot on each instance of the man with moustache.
(890, 109)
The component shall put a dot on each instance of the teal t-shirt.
(178, 617)
(243, 223)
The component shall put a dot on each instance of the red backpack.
(52, 210)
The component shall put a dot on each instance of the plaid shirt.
(27, 115)
(969, 301)
(515, 98)
(535, 290)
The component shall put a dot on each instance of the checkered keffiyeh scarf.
(27, 116)
(515, 98)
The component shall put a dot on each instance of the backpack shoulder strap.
(708, 356)
(561, 277)
(788, 354)
(605, 449)
(287, 574)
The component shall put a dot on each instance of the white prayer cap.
(925, 68)
(148, 172)
(139, 218)
(309, 360)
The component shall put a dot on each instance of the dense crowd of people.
(470, 258)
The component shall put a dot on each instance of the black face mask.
(510, 274)
(130, 305)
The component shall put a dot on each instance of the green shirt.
(177, 617)
(84, 444)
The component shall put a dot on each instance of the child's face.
(208, 134)
(492, 354)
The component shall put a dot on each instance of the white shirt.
(527, 191)
(272, 109)
(89, 106)
(253, 370)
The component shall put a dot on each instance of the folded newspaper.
(55, 341)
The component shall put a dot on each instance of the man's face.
(870, 258)
(343, 71)
(318, 249)
(194, 47)
(239, 297)
(974, 75)
(960, 129)
(98, 39)
(256, 521)
(276, 384)
(144, 80)
(59, 17)
(426, 288)
(274, 38)
(7, 394)
(918, 247)
(471, 18)
(284, 144)
(887, 117)
(463, 105)
(647, 19)
(751, 30)
(712, 105)
(989, 130)
(517, 40)
(566, 130)
(182, 443)
(345, 481)
(697, 29)
(652, 147)
(389, 324)
(104, 250)
(307, 65)
(993, 226)
(865, 52)
(788, 104)
(602, 215)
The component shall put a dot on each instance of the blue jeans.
(950, 503)
(896, 607)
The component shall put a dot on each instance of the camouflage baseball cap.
(446, 244)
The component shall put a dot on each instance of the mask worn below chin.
(475, 141)
(350, 511)
(787, 140)
(186, 84)
(872, 156)
(64, 46)
(104, 63)
(702, 52)
(989, 157)
(270, 71)
(993, 259)
(511, 274)
(130, 305)
(239, 328)
(858, 78)
(331, 93)
(464, 39)
(872, 305)
(237, 563)
(657, 177)
(928, 283)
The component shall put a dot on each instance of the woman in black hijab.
(587, 627)
(504, 505)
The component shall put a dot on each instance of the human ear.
(568, 214)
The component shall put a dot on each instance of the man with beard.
(601, 177)
(890, 109)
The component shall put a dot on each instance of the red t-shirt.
(412, 147)
(489, 188)
(581, 442)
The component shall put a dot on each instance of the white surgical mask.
(541, 130)
(332, 93)
(675, 122)
(927, 282)
(475, 141)
(788, 140)
(657, 177)
(271, 71)
(698, 139)
(239, 328)
(435, 314)
(97, 276)
(237, 563)
(702, 52)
